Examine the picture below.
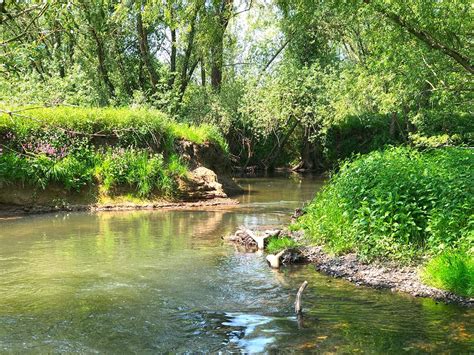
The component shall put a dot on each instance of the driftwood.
(274, 259)
(251, 239)
(298, 308)
(259, 239)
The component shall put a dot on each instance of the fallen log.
(274, 259)
(251, 239)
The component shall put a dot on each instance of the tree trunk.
(217, 50)
(307, 158)
(172, 58)
(102, 66)
(145, 52)
(216, 66)
(203, 72)
(311, 156)
(58, 40)
(393, 125)
(275, 152)
(185, 76)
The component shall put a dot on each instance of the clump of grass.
(452, 271)
(396, 204)
(277, 244)
(144, 171)
(200, 134)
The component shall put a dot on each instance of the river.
(154, 281)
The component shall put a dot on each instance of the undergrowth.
(138, 127)
(397, 204)
(112, 148)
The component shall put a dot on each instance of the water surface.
(152, 281)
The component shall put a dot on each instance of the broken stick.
(298, 308)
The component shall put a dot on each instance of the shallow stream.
(153, 281)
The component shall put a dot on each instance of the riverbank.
(377, 274)
(12, 211)
(64, 158)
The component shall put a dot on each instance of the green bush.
(41, 170)
(397, 204)
(144, 171)
(360, 134)
(439, 129)
(452, 271)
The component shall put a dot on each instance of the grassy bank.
(401, 204)
(109, 148)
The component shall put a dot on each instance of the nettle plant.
(397, 204)
(76, 160)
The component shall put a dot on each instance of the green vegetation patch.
(108, 147)
(126, 126)
(397, 204)
(453, 271)
(277, 244)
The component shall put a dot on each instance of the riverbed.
(154, 281)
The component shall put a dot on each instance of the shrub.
(360, 134)
(144, 171)
(438, 129)
(396, 204)
(453, 271)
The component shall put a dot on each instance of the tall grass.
(109, 147)
(453, 271)
(397, 204)
(129, 125)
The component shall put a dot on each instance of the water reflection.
(151, 281)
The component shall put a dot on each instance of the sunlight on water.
(150, 281)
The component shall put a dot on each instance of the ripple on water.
(138, 282)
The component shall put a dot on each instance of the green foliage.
(135, 127)
(360, 134)
(276, 244)
(142, 170)
(397, 204)
(41, 170)
(452, 271)
(285, 81)
(71, 147)
(441, 129)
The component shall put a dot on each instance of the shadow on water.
(150, 281)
